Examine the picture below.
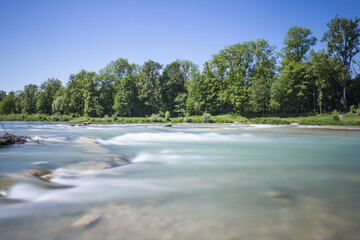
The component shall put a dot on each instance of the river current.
(190, 181)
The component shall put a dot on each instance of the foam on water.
(173, 137)
(167, 158)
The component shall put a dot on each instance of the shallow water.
(191, 181)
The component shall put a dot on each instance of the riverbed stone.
(279, 196)
(47, 177)
(85, 221)
(35, 172)
(90, 165)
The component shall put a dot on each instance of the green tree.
(73, 97)
(324, 71)
(292, 91)
(343, 41)
(2, 95)
(48, 89)
(149, 85)
(7, 105)
(90, 96)
(298, 42)
(121, 68)
(196, 94)
(172, 82)
(230, 69)
(126, 98)
(262, 76)
(106, 91)
(56, 105)
(29, 98)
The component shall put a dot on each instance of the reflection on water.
(195, 181)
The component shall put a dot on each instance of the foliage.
(167, 116)
(335, 115)
(206, 118)
(343, 41)
(268, 120)
(7, 105)
(243, 78)
(155, 118)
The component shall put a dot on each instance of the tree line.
(248, 77)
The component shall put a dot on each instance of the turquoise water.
(193, 181)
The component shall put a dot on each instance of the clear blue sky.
(54, 38)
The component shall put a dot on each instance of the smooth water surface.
(191, 181)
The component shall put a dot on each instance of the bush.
(335, 115)
(187, 118)
(206, 118)
(115, 117)
(167, 116)
(155, 118)
(352, 109)
(107, 118)
(269, 120)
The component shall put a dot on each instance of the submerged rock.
(279, 197)
(119, 160)
(85, 221)
(90, 165)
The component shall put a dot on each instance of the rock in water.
(168, 125)
(9, 139)
(35, 172)
(45, 174)
(47, 177)
(85, 221)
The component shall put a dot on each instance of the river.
(190, 181)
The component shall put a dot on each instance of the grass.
(349, 119)
(35, 117)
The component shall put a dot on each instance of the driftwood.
(9, 139)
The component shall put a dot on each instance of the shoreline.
(350, 119)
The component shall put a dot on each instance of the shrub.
(167, 116)
(352, 109)
(269, 120)
(107, 118)
(335, 115)
(187, 118)
(155, 118)
(206, 118)
(115, 117)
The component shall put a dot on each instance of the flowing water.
(191, 181)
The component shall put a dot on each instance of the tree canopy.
(246, 77)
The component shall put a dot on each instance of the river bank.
(348, 119)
